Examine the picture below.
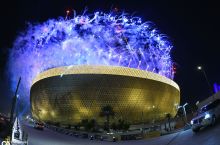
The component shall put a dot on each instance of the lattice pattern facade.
(69, 98)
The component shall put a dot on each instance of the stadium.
(70, 94)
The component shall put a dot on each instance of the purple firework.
(95, 39)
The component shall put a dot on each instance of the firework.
(93, 39)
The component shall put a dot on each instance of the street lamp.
(184, 110)
(200, 68)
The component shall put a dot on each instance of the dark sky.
(192, 26)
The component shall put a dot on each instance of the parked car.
(39, 125)
(207, 115)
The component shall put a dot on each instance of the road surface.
(207, 136)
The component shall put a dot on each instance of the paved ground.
(207, 136)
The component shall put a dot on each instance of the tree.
(122, 125)
(107, 111)
(89, 125)
(165, 125)
(114, 126)
(126, 126)
(84, 123)
(92, 125)
(168, 116)
(77, 126)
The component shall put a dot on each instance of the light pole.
(14, 103)
(200, 68)
(184, 111)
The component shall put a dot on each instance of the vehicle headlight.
(191, 122)
(207, 116)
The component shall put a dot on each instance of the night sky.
(193, 28)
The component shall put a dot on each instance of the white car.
(207, 115)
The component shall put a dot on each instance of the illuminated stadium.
(69, 94)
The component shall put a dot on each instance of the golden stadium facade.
(69, 94)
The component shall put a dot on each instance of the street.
(207, 136)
